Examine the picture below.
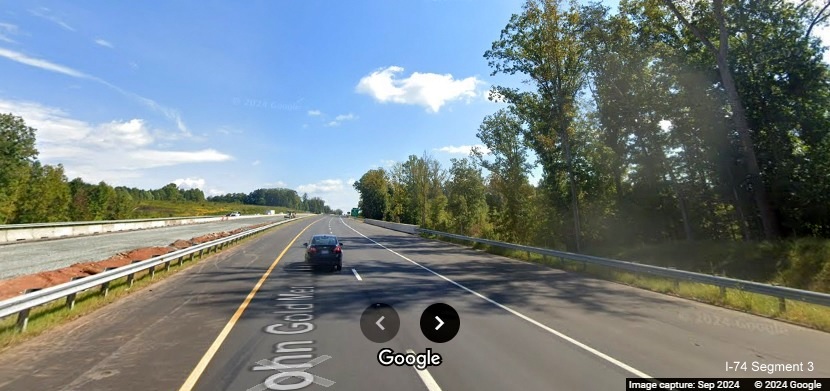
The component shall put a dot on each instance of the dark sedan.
(324, 250)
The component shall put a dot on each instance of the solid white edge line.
(356, 275)
(425, 376)
(581, 345)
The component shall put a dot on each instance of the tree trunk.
(721, 53)
(759, 191)
(681, 204)
(566, 145)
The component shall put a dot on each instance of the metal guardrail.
(780, 292)
(21, 305)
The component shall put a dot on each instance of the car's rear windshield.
(324, 241)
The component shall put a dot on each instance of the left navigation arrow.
(380, 323)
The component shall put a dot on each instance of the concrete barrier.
(408, 228)
(13, 233)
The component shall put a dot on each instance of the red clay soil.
(17, 285)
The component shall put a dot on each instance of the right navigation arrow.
(440, 323)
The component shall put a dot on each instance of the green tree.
(374, 194)
(17, 154)
(123, 205)
(80, 208)
(501, 133)
(466, 202)
(544, 43)
(102, 201)
(170, 192)
(46, 196)
(721, 55)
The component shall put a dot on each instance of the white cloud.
(256, 163)
(337, 193)
(226, 130)
(276, 184)
(10, 28)
(104, 43)
(42, 64)
(190, 183)
(7, 29)
(340, 118)
(171, 114)
(430, 90)
(326, 185)
(463, 149)
(133, 133)
(110, 151)
(46, 13)
(133, 65)
(345, 117)
(148, 158)
(314, 113)
(387, 163)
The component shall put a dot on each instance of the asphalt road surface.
(254, 318)
(23, 258)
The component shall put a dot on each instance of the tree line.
(32, 192)
(276, 197)
(663, 121)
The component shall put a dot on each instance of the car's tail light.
(312, 250)
(337, 250)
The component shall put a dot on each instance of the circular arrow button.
(380, 322)
(440, 323)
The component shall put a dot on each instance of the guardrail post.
(131, 277)
(167, 266)
(152, 271)
(180, 260)
(22, 320)
(675, 282)
(23, 316)
(722, 294)
(782, 305)
(70, 299)
(105, 287)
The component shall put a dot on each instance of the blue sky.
(230, 98)
(235, 96)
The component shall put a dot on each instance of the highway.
(19, 259)
(243, 318)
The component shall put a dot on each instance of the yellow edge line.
(203, 363)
